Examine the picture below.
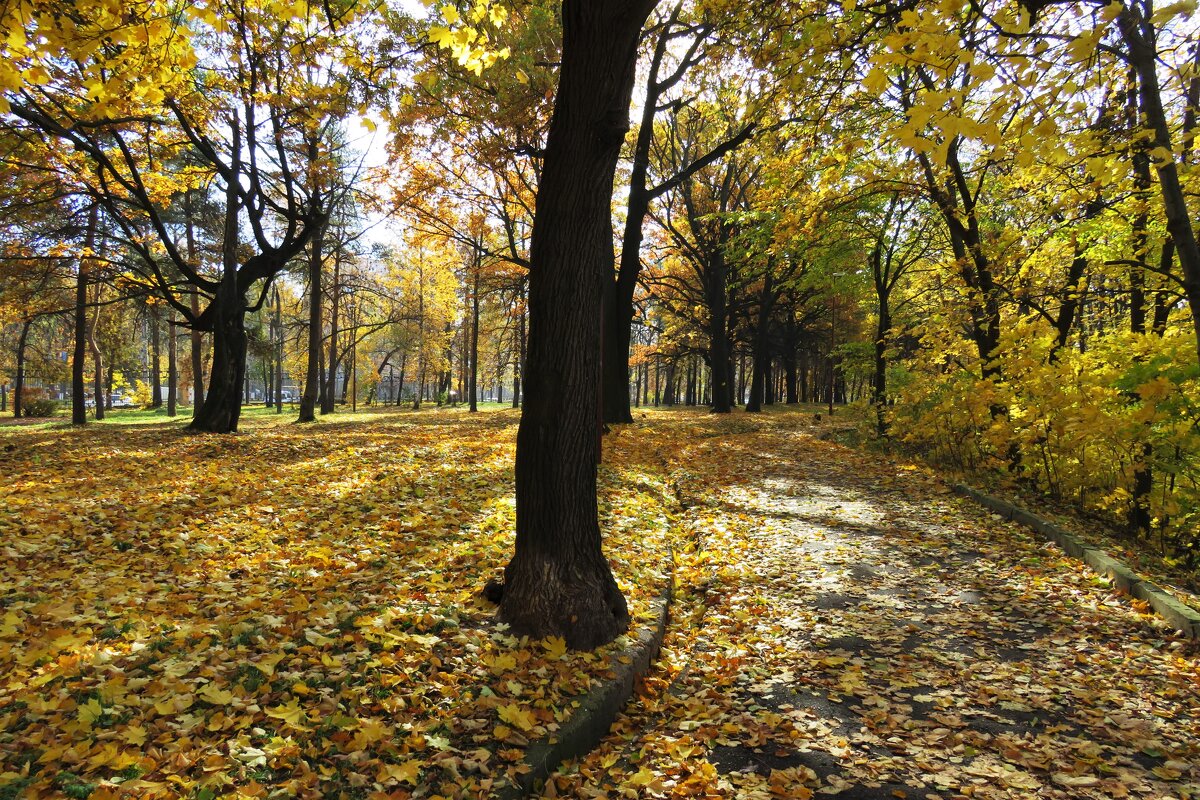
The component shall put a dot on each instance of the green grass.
(253, 415)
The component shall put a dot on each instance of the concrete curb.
(597, 710)
(1184, 618)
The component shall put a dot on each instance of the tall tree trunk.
(558, 581)
(879, 378)
(19, 378)
(196, 339)
(223, 402)
(329, 396)
(97, 359)
(519, 363)
(473, 379)
(722, 394)
(172, 366)
(400, 383)
(196, 354)
(278, 352)
(761, 355)
(156, 398)
(312, 379)
(1140, 39)
(420, 389)
(79, 357)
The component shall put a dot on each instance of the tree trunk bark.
(761, 356)
(19, 378)
(97, 360)
(519, 364)
(278, 352)
(1141, 41)
(400, 383)
(558, 581)
(197, 337)
(223, 403)
(79, 357)
(328, 396)
(156, 398)
(473, 379)
(172, 367)
(312, 378)
(722, 396)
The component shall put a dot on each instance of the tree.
(250, 120)
(558, 582)
(665, 73)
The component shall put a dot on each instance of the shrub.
(35, 403)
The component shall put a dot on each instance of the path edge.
(597, 710)
(1184, 619)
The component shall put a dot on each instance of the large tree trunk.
(329, 393)
(722, 394)
(473, 377)
(1141, 42)
(78, 383)
(19, 378)
(879, 379)
(312, 379)
(97, 360)
(156, 398)
(519, 362)
(558, 581)
(223, 403)
(196, 356)
(278, 382)
(761, 355)
(172, 366)
(196, 338)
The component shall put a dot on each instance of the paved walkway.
(847, 627)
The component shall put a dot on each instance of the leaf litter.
(844, 626)
(295, 612)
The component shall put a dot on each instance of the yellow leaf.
(291, 714)
(556, 647)
(314, 636)
(266, 665)
(135, 735)
(515, 715)
(90, 711)
(643, 777)
(369, 732)
(503, 662)
(215, 695)
(11, 624)
(406, 772)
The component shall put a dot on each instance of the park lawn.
(291, 610)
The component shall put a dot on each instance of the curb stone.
(1182, 617)
(597, 710)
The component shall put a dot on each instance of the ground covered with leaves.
(845, 626)
(290, 611)
(295, 611)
